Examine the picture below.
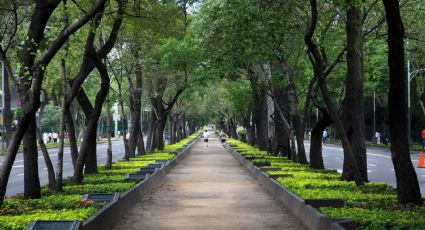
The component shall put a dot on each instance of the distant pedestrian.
(325, 136)
(205, 135)
(378, 137)
(50, 137)
(222, 137)
(55, 137)
(423, 139)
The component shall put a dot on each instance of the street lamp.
(410, 76)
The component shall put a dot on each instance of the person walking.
(55, 137)
(222, 137)
(325, 136)
(205, 135)
(423, 139)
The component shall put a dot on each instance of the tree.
(407, 182)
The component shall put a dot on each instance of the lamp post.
(410, 76)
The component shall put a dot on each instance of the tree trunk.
(249, 130)
(316, 158)
(32, 188)
(407, 182)
(160, 127)
(47, 161)
(151, 132)
(282, 138)
(124, 129)
(59, 169)
(140, 144)
(73, 146)
(136, 102)
(293, 104)
(91, 157)
(92, 123)
(319, 73)
(173, 121)
(260, 116)
(353, 103)
(108, 164)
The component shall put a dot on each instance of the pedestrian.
(222, 137)
(55, 137)
(50, 137)
(45, 137)
(325, 136)
(378, 137)
(423, 139)
(205, 135)
(309, 134)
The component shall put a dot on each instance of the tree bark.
(90, 160)
(282, 145)
(92, 122)
(319, 73)
(140, 144)
(260, 116)
(316, 158)
(407, 182)
(353, 103)
(108, 164)
(47, 161)
(293, 110)
(73, 146)
(136, 108)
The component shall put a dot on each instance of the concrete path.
(209, 189)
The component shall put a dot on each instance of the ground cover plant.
(17, 212)
(372, 206)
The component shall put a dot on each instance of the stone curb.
(310, 217)
(111, 213)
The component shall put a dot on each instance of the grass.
(16, 212)
(372, 206)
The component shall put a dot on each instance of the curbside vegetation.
(16, 212)
(372, 206)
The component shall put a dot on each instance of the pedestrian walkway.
(209, 189)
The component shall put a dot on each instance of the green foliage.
(16, 212)
(372, 206)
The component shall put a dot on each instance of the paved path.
(209, 189)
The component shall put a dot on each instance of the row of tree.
(280, 60)
(82, 57)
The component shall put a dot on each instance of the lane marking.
(369, 171)
(371, 165)
(18, 166)
(20, 174)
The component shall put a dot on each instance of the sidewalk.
(208, 190)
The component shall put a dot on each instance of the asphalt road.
(16, 179)
(379, 164)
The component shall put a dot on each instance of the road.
(379, 164)
(16, 179)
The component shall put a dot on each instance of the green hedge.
(372, 206)
(17, 212)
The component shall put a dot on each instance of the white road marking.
(371, 165)
(391, 169)
(18, 166)
(45, 169)
(20, 174)
(325, 155)
(369, 171)
(66, 163)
